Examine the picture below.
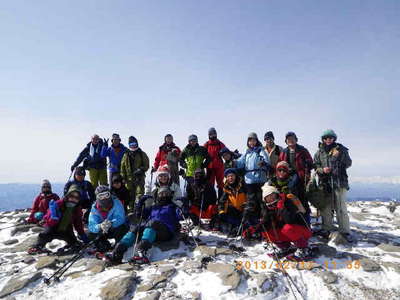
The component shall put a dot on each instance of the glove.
(85, 163)
(38, 216)
(73, 167)
(153, 169)
(53, 210)
(84, 238)
(262, 164)
(105, 226)
(180, 202)
(138, 172)
(134, 228)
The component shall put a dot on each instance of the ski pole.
(137, 233)
(188, 226)
(70, 175)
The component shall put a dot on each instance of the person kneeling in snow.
(203, 198)
(231, 204)
(161, 224)
(41, 203)
(61, 216)
(164, 180)
(283, 223)
(119, 190)
(106, 220)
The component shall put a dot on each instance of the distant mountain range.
(21, 195)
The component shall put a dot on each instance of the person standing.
(93, 161)
(272, 150)
(114, 154)
(134, 166)
(255, 163)
(331, 162)
(215, 169)
(168, 154)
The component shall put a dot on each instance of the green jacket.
(339, 165)
(131, 162)
(193, 158)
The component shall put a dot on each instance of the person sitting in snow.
(164, 180)
(106, 220)
(161, 217)
(119, 190)
(231, 204)
(86, 188)
(283, 224)
(203, 198)
(41, 203)
(289, 183)
(60, 219)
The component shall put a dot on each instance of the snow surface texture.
(370, 269)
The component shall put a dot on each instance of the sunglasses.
(282, 170)
(73, 197)
(328, 137)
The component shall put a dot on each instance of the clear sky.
(69, 69)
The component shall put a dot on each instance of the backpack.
(316, 195)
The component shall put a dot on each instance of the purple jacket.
(169, 215)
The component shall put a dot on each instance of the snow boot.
(37, 250)
(282, 252)
(301, 254)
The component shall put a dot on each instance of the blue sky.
(69, 69)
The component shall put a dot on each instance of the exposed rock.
(223, 251)
(207, 251)
(192, 266)
(391, 265)
(324, 249)
(226, 272)
(307, 265)
(266, 282)
(10, 242)
(46, 262)
(17, 283)
(328, 277)
(358, 216)
(152, 295)
(21, 228)
(22, 246)
(389, 248)
(369, 265)
(124, 267)
(117, 288)
(167, 271)
(28, 260)
(153, 282)
(37, 229)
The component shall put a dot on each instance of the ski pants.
(289, 233)
(216, 174)
(51, 233)
(98, 177)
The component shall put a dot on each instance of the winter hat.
(46, 183)
(290, 133)
(164, 189)
(252, 135)
(329, 132)
(230, 171)
(116, 178)
(163, 170)
(103, 196)
(115, 136)
(269, 135)
(212, 131)
(133, 142)
(80, 171)
(73, 188)
(224, 150)
(283, 165)
(268, 190)
(193, 137)
(168, 135)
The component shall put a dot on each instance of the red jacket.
(303, 161)
(41, 204)
(213, 148)
(76, 217)
(161, 157)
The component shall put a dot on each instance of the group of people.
(262, 194)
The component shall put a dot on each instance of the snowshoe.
(38, 250)
(281, 253)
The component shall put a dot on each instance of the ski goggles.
(103, 196)
(328, 137)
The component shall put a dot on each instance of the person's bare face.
(117, 185)
(163, 178)
(116, 142)
(291, 141)
(269, 142)
(95, 139)
(231, 178)
(169, 140)
(252, 143)
(227, 156)
(329, 140)
(192, 143)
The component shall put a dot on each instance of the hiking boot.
(349, 238)
(37, 250)
(322, 233)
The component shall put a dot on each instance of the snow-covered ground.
(370, 269)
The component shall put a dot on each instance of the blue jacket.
(169, 215)
(115, 159)
(116, 215)
(249, 162)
